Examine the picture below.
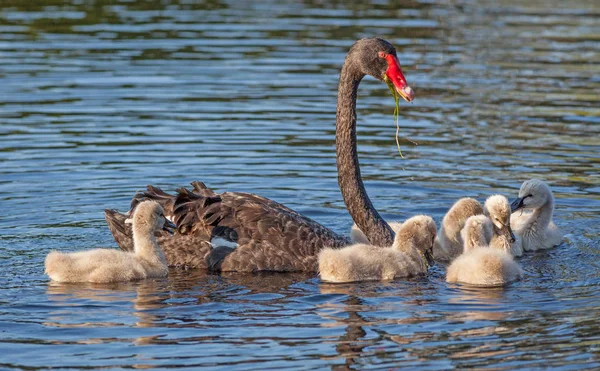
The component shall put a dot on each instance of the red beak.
(394, 74)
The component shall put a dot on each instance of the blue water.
(98, 100)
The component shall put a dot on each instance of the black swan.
(268, 236)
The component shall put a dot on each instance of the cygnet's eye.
(382, 54)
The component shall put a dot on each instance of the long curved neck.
(146, 246)
(541, 217)
(358, 203)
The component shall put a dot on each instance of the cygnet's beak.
(169, 226)
(429, 257)
(517, 204)
(510, 235)
(506, 231)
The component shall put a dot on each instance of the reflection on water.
(97, 99)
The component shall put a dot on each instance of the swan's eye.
(382, 54)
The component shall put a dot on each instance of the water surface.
(97, 100)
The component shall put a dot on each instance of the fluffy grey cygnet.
(448, 243)
(108, 265)
(480, 264)
(410, 255)
(532, 217)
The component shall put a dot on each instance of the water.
(99, 99)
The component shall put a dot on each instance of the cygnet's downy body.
(480, 264)
(448, 243)
(108, 265)
(410, 255)
(532, 215)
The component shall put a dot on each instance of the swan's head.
(533, 194)
(477, 232)
(421, 231)
(498, 210)
(377, 57)
(149, 216)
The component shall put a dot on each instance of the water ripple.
(97, 100)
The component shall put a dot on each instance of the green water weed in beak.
(396, 113)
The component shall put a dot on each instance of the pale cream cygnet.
(479, 264)
(534, 226)
(410, 255)
(498, 210)
(108, 265)
(448, 243)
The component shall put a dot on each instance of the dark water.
(100, 98)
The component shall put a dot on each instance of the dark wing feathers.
(156, 194)
(120, 230)
(269, 236)
(191, 212)
(258, 219)
(201, 189)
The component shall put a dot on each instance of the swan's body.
(107, 265)
(448, 243)
(480, 264)
(263, 235)
(534, 227)
(363, 262)
(357, 236)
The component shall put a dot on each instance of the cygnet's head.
(533, 194)
(421, 231)
(498, 210)
(149, 216)
(476, 232)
